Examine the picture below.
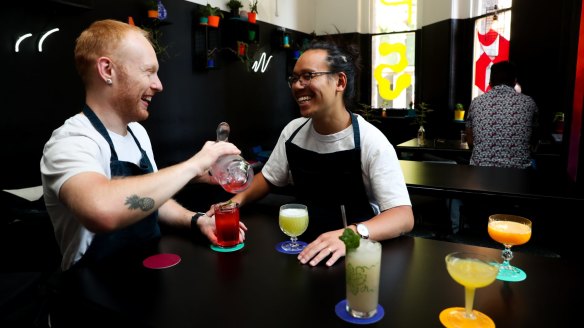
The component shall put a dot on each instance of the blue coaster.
(281, 250)
(227, 249)
(341, 311)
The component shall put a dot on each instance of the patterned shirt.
(501, 121)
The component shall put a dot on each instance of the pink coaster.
(161, 261)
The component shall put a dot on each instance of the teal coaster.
(512, 275)
(227, 249)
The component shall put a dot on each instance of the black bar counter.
(260, 287)
(434, 150)
(459, 180)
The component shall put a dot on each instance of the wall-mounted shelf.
(206, 46)
(81, 4)
(240, 30)
(241, 37)
(288, 42)
(282, 39)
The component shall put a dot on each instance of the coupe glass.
(471, 271)
(509, 230)
(293, 221)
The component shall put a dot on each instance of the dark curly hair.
(503, 72)
(341, 58)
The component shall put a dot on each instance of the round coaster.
(281, 250)
(161, 261)
(341, 311)
(227, 249)
(455, 317)
(512, 275)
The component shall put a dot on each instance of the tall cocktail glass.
(362, 268)
(227, 223)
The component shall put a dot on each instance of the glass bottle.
(421, 136)
(232, 172)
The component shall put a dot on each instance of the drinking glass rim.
(228, 205)
(511, 218)
(294, 205)
(471, 255)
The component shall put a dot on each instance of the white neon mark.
(262, 62)
(17, 45)
(44, 37)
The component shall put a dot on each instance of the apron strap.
(101, 129)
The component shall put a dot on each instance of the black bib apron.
(105, 245)
(324, 182)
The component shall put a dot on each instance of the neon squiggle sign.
(28, 35)
(403, 81)
(44, 37)
(262, 63)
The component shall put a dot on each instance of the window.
(492, 37)
(393, 53)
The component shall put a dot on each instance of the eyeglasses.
(305, 78)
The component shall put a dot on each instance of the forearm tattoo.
(135, 202)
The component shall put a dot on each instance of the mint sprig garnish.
(350, 238)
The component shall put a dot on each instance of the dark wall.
(545, 55)
(43, 89)
(257, 105)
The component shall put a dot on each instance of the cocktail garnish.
(226, 204)
(350, 238)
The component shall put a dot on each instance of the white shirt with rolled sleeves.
(73, 148)
(382, 175)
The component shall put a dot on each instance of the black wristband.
(196, 218)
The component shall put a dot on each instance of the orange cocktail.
(509, 232)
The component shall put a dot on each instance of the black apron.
(105, 245)
(324, 182)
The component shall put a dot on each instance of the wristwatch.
(195, 218)
(362, 230)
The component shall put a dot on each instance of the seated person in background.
(102, 188)
(333, 157)
(500, 123)
(499, 127)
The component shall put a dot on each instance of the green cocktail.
(363, 265)
(293, 221)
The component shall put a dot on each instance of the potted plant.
(155, 35)
(152, 8)
(253, 11)
(422, 109)
(211, 58)
(366, 112)
(234, 6)
(459, 112)
(213, 14)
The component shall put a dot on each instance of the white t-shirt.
(77, 147)
(382, 175)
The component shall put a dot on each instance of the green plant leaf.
(366, 112)
(350, 238)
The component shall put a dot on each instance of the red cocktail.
(227, 224)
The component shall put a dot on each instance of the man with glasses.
(333, 157)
